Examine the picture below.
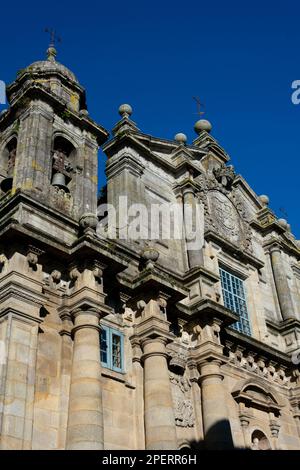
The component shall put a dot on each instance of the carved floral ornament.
(224, 210)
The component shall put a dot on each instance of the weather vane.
(199, 105)
(53, 36)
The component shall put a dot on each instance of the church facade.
(115, 338)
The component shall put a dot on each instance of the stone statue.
(255, 444)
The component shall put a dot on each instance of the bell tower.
(48, 143)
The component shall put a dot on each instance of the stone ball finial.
(51, 53)
(83, 112)
(88, 220)
(125, 110)
(202, 125)
(150, 255)
(181, 138)
(264, 200)
(283, 223)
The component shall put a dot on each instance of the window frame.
(234, 300)
(108, 364)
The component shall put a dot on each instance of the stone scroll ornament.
(183, 407)
(224, 210)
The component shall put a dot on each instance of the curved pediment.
(257, 394)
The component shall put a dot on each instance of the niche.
(259, 441)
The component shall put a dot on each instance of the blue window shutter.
(112, 349)
(104, 346)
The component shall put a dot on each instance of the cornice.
(233, 249)
(256, 346)
(206, 310)
(32, 90)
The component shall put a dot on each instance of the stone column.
(217, 432)
(190, 214)
(138, 373)
(85, 424)
(282, 287)
(196, 396)
(160, 429)
(65, 377)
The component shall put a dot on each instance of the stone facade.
(188, 378)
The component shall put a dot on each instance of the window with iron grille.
(112, 349)
(235, 299)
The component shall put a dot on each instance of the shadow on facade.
(219, 437)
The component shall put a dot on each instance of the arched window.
(8, 161)
(63, 157)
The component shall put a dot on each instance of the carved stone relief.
(60, 199)
(224, 210)
(183, 406)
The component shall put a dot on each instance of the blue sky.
(239, 57)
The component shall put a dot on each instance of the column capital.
(92, 311)
(209, 352)
(188, 190)
(153, 328)
(275, 248)
(154, 347)
(88, 306)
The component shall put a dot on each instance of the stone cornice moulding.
(151, 328)
(247, 343)
(153, 280)
(195, 273)
(205, 311)
(268, 401)
(169, 166)
(234, 249)
(284, 326)
(124, 162)
(15, 290)
(281, 245)
(33, 89)
(240, 182)
(20, 316)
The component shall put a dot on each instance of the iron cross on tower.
(53, 36)
(199, 105)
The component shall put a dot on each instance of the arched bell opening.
(8, 161)
(63, 157)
